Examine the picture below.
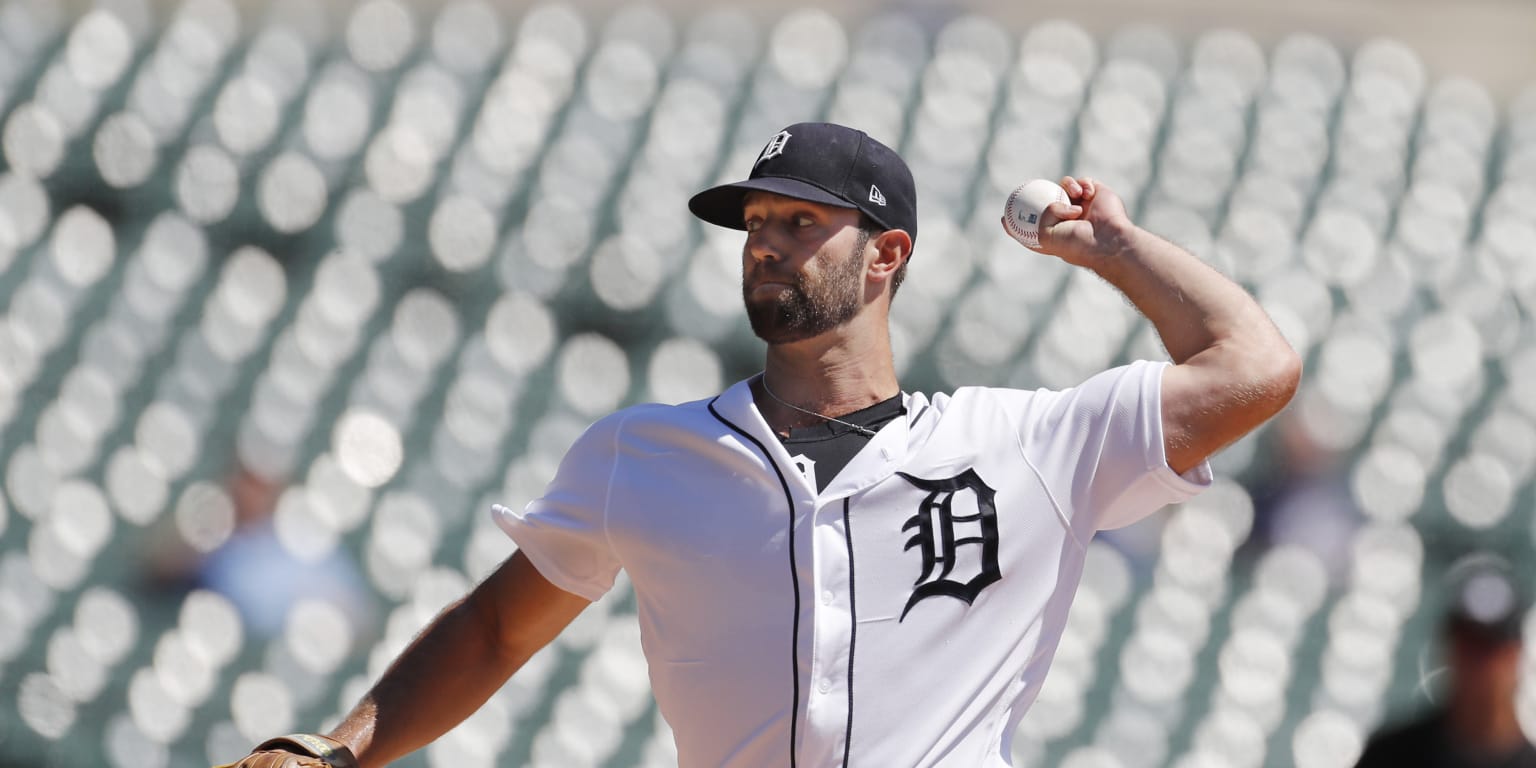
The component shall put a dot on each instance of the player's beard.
(810, 306)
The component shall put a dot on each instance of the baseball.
(1021, 215)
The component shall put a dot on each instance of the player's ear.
(892, 247)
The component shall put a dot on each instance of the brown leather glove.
(298, 750)
(277, 759)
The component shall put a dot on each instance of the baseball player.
(829, 570)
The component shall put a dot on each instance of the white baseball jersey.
(906, 615)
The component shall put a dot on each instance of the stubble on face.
(811, 303)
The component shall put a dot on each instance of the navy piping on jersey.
(853, 628)
(794, 574)
(919, 416)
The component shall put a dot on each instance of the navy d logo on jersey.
(945, 536)
(774, 148)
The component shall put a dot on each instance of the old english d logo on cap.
(774, 148)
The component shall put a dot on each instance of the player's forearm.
(1195, 309)
(441, 678)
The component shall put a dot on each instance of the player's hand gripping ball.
(1026, 204)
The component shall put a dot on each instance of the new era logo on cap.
(832, 165)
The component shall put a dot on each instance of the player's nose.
(760, 246)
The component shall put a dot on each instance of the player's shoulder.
(653, 412)
(636, 425)
(648, 417)
(1134, 370)
(977, 397)
(980, 401)
(969, 408)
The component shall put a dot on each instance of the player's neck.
(833, 374)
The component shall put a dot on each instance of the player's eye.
(752, 224)
(804, 220)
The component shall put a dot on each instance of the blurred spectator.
(258, 571)
(1304, 500)
(1475, 726)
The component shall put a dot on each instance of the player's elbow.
(1273, 374)
(497, 643)
(1248, 379)
(1225, 392)
(1288, 374)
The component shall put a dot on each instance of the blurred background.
(290, 293)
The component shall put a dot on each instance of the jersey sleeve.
(564, 531)
(1099, 447)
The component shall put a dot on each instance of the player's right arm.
(466, 654)
(1232, 368)
(564, 562)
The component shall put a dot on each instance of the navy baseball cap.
(823, 163)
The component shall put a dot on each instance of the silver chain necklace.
(863, 430)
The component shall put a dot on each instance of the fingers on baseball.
(1079, 190)
(1059, 212)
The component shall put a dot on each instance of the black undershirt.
(832, 445)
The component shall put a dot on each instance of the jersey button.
(826, 597)
(826, 686)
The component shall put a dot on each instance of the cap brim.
(722, 205)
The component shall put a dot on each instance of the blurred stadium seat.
(318, 284)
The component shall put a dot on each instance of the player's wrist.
(1116, 243)
(324, 748)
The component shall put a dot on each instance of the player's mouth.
(773, 283)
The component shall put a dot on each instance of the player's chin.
(773, 300)
(773, 332)
(772, 322)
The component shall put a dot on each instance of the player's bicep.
(525, 610)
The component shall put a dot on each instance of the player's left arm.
(1232, 368)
